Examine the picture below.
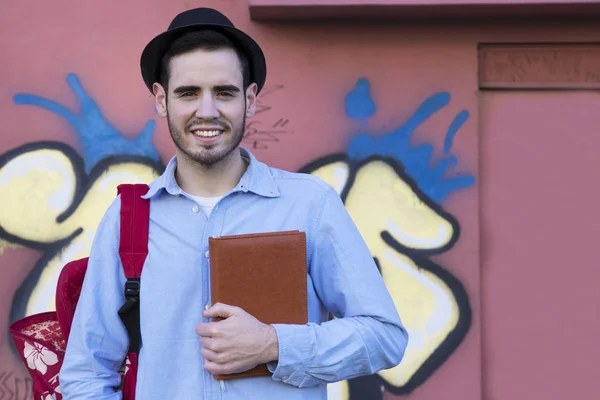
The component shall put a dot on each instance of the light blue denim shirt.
(365, 337)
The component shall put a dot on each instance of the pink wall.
(312, 110)
(540, 318)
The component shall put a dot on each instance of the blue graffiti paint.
(458, 121)
(99, 139)
(358, 102)
(431, 177)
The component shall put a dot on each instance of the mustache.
(205, 125)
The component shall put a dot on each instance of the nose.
(207, 107)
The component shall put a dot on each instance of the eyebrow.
(188, 88)
(227, 88)
(218, 88)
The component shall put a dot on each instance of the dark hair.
(204, 39)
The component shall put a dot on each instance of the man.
(205, 76)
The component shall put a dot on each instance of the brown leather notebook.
(264, 274)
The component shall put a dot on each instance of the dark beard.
(212, 160)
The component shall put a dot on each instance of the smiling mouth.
(206, 133)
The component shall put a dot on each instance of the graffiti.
(404, 228)
(359, 104)
(259, 135)
(415, 159)
(13, 387)
(57, 197)
(99, 139)
(55, 207)
(407, 225)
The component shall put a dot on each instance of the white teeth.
(202, 133)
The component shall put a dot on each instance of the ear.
(160, 97)
(251, 100)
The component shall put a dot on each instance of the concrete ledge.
(364, 10)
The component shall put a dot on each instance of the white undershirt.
(206, 203)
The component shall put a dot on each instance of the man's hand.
(236, 344)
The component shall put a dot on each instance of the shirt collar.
(257, 179)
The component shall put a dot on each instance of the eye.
(187, 94)
(225, 94)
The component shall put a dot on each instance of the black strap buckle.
(130, 313)
(132, 289)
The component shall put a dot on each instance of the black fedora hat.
(197, 19)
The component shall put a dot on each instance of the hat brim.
(154, 51)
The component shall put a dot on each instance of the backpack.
(41, 339)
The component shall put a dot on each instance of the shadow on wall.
(57, 197)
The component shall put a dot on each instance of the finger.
(214, 368)
(215, 357)
(209, 343)
(211, 356)
(220, 310)
(224, 369)
(208, 329)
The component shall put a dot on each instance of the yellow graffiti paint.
(86, 217)
(40, 185)
(380, 200)
(427, 308)
(338, 390)
(336, 174)
(37, 187)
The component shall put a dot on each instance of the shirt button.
(207, 306)
(206, 254)
(284, 377)
(195, 209)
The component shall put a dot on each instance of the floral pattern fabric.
(42, 347)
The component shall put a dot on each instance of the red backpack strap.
(135, 216)
(133, 249)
